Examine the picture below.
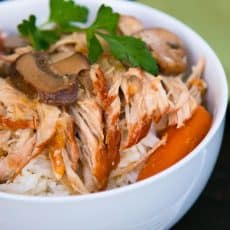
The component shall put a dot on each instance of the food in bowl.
(88, 109)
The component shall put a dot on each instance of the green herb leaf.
(127, 49)
(64, 12)
(67, 28)
(131, 50)
(40, 39)
(106, 20)
(95, 49)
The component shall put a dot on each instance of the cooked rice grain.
(36, 179)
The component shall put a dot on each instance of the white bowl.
(155, 203)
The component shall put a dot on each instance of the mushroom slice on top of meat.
(71, 64)
(55, 83)
(129, 25)
(12, 42)
(75, 41)
(4, 69)
(17, 53)
(16, 110)
(167, 48)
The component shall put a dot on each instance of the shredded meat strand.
(113, 126)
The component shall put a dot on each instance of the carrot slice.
(180, 142)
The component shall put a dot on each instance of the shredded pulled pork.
(103, 139)
(16, 110)
(197, 86)
(84, 112)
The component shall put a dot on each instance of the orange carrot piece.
(180, 142)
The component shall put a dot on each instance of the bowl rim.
(215, 126)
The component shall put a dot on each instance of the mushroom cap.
(167, 48)
(53, 83)
(129, 25)
(13, 41)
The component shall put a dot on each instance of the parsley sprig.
(40, 39)
(132, 51)
(128, 49)
(64, 14)
(105, 21)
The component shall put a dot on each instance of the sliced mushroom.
(167, 48)
(129, 25)
(55, 83)
(11, 42)
(71, 65)
(76, 41)
(61, 97)
(11, 58)
(4, 69)
(60, 55)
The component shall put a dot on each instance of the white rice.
(36, 178)
(123, 180)
(130, 156)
